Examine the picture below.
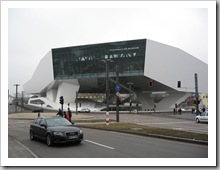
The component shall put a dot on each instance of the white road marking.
(105, 146)
(178, 128)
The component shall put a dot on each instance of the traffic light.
(150, 82)
(61, 100)
(179, 84)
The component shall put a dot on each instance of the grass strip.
(90, 120)
(146, 130)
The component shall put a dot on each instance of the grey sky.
(32, 32)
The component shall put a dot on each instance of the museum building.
(152, 69)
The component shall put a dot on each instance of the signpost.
(107, 118)
(196, 93)
(130, 83)
(117, 88)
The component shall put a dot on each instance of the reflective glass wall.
(85, 61)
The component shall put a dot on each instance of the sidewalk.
(125, 118)
(32, 116)
(18, 150)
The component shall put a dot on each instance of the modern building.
(153, 68)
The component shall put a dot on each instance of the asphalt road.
(183, 125)
(105, 144)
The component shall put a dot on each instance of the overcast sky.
(32, 32)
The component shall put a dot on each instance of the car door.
(35, 127)
(206, 117)
(42, 130)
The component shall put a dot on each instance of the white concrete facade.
(168, 65)
(68, 90)
(42, 77)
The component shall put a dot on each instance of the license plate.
(73, 137)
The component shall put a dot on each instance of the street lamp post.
(117, 97)
(16, 104)
(130, 83)
(106, 61)
(22, 92)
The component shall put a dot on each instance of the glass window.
(37, 121)
(37, 101)
(85, 61)
(43, 122)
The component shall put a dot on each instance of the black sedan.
(55, 130)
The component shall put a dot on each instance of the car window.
(43, 122)
(58, 122)
(37, 121)
(203, 113)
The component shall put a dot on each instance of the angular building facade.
(153, 69)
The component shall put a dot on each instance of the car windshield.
(204, 113)
(58, 122)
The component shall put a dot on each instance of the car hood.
(64, 128)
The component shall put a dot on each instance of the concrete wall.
(68, 91)
(51, 94)
(168, 65)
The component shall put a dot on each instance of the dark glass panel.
(85, 61)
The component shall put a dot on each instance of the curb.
(179, 139)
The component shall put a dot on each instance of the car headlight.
(80, 131)
(58, 133)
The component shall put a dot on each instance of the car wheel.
(197, 120)
(49, 140)
(31, 135)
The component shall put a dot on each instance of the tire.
(197, 120)
(49, 140)
(31, 135)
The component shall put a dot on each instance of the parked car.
(203, 117)
(55, 130)
(38, 110)
(84, 110)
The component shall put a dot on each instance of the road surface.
(105, 144)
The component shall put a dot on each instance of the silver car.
(203, 117)
(84, 110)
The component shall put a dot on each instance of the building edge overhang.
(40, 79)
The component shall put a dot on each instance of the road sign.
(117, 88)
(196, 95)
